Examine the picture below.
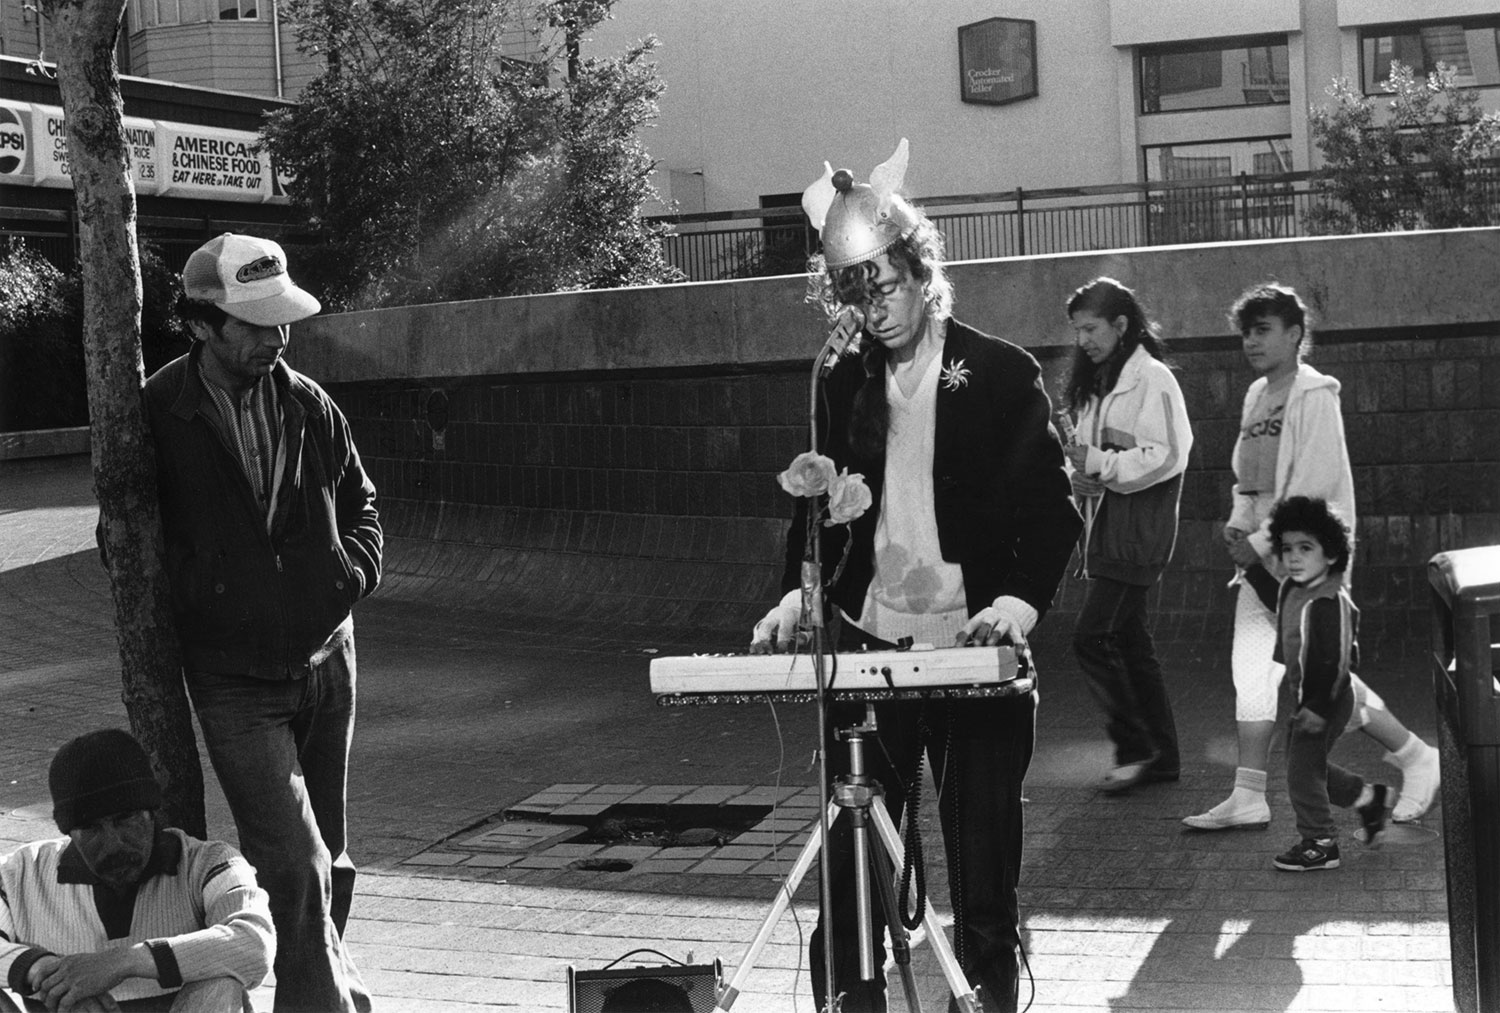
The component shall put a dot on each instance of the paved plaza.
(482, 745)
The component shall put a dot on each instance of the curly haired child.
(1317, 640)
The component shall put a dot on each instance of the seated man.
(124, 913)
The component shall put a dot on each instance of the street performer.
(966, 538)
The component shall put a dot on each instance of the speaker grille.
(645, 989)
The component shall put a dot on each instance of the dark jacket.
(1317, 636)
(1002, 497)
(248, 601)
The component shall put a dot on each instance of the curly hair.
(1109, 300)
(918, 255)
(1315, 517)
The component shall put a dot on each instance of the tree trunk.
(84, 34)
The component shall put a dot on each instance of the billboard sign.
(171, 159)
(15, 142)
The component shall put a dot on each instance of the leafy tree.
(1428, 165)
(441, 156)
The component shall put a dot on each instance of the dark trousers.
(1314, 782)
(979, 751)
(281, 751)
(1118, 658)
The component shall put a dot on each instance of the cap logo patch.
(257, 270)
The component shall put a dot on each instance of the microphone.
(842, 339)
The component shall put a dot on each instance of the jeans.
(979, 750)
(1314, 783)
(211, 995)
(1118, 659)
(281, 751)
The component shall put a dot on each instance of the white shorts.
(1257, 679)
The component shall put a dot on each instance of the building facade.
(226, 45)
(1125, 91)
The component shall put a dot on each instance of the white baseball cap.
(246, 277)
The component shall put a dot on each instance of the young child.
(1317, 625)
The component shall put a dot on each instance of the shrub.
(43, 383)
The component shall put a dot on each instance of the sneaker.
(1310, 855)
(1124, 777)
(1228, 815)
(1419, 785)
(1372, 815)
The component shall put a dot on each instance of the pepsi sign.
(14, 160)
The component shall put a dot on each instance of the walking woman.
(1130, 450)
(1291, 443)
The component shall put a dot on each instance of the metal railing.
(765, 241)
(769, 241)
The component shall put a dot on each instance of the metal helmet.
(860, 221)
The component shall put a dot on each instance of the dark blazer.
(1003, 502)
(248, 601)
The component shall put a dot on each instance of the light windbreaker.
(1312, 459)
(1138, 439)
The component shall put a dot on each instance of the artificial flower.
(848, 498)
(809, 474)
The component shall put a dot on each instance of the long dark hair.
(1108, 299)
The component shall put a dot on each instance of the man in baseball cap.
(246, 277)
(271, 537)
(115, 911)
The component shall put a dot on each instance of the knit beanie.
(100, 774)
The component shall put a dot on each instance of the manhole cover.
(664, 826)
(517, 835)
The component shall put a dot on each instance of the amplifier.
(670, 988)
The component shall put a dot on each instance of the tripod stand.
(856, 794)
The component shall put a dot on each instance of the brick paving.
(464, 716)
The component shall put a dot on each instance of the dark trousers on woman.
(979, 751)
(1118, 659)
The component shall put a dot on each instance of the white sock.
(1412, 750)
(1249, 790)
(1366, 796)
(1250, 780)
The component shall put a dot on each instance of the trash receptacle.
(1465, 627)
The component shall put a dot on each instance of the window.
(150, 13)
(1211, 75)
(1209, 159)
(1472, 47)
(1226, 209)
(237, 10)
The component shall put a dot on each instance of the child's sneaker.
(1310, 855)
(1372, 815)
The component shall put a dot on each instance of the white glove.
(777, 631)
(1007, 618)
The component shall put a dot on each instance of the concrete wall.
(613, 454)
(758, 94)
